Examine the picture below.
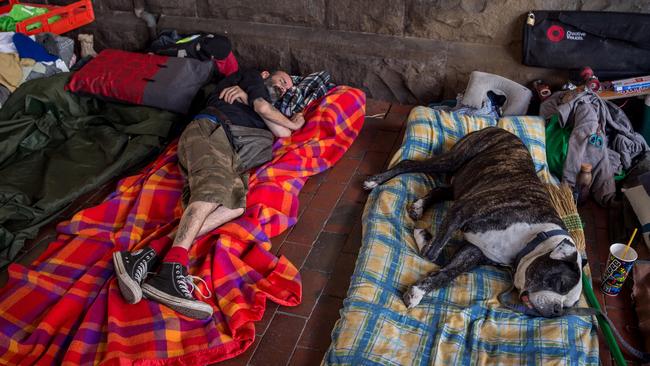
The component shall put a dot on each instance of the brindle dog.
(501, 207)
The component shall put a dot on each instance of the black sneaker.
(131, 270)
(172, 286)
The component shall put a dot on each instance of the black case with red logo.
(611, 43)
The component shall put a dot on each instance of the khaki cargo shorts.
(210, 164)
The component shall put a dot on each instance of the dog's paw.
(413, 296)
(423, 239)
(416, 210)
(370, 183)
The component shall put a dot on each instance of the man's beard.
(273, 92)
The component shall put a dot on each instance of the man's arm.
(234, 94)
(280, 125)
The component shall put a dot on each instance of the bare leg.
(219, 217)
(191, 222)
(172, 285)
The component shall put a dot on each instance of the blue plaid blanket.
(463, 323)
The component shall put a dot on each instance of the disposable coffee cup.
(617, 269)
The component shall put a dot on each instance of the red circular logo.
(555, 33)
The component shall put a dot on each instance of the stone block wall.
(408, 51)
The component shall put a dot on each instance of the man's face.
(280, 81)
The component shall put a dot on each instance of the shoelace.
(183, 282)
(141, 271)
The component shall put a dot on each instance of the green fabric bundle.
(557, 145)
(21, 12)
(56, 146)
(7, 24)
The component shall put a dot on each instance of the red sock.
(177, 255)
(160, 244)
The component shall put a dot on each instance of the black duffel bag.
(611, 43)
(201, 46)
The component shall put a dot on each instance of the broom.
(562, 200)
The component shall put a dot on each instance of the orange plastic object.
(72, 16)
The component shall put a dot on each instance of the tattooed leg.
(191, 222)
(219, 217)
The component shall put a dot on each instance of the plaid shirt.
(305, 90)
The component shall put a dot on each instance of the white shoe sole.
(192, 308)
(130, 289)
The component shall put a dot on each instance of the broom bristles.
(562, 200)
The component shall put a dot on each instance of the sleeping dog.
(506, 217)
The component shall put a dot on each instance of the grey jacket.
(587, 114)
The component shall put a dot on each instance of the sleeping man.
(212, 156)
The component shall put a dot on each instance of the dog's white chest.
(502, 246)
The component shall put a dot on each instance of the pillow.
(517, 96)
(157, 81)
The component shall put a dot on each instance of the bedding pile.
(24, 58)
(66, 306)
(463, 323)
(55, 146)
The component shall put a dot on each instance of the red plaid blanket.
(66, 308)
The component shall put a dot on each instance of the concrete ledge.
(408, 70)
(405, 69)
(366, 43)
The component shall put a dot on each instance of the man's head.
(277, 83)
(550, 279)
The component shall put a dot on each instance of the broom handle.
(604, 326)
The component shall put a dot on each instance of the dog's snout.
(546, 304)
(557, 309)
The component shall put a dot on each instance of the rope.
(190, 280)
(573, 222)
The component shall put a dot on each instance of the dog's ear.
(565, 251)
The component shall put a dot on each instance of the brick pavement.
(325, 242)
